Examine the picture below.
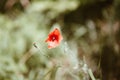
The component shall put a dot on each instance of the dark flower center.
(54, 37)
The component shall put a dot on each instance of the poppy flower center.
(53, 38)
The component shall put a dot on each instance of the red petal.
(54, 38)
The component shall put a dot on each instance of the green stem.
(91, 74)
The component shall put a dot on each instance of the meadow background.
(90, 49)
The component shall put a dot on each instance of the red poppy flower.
(54, 38)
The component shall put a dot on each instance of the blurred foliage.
(91, 39)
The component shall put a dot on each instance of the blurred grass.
(18, 32)
(86, 46)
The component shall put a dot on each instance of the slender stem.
(91, 74)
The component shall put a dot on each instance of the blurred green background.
(90, 49)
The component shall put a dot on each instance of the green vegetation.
(90, 49)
